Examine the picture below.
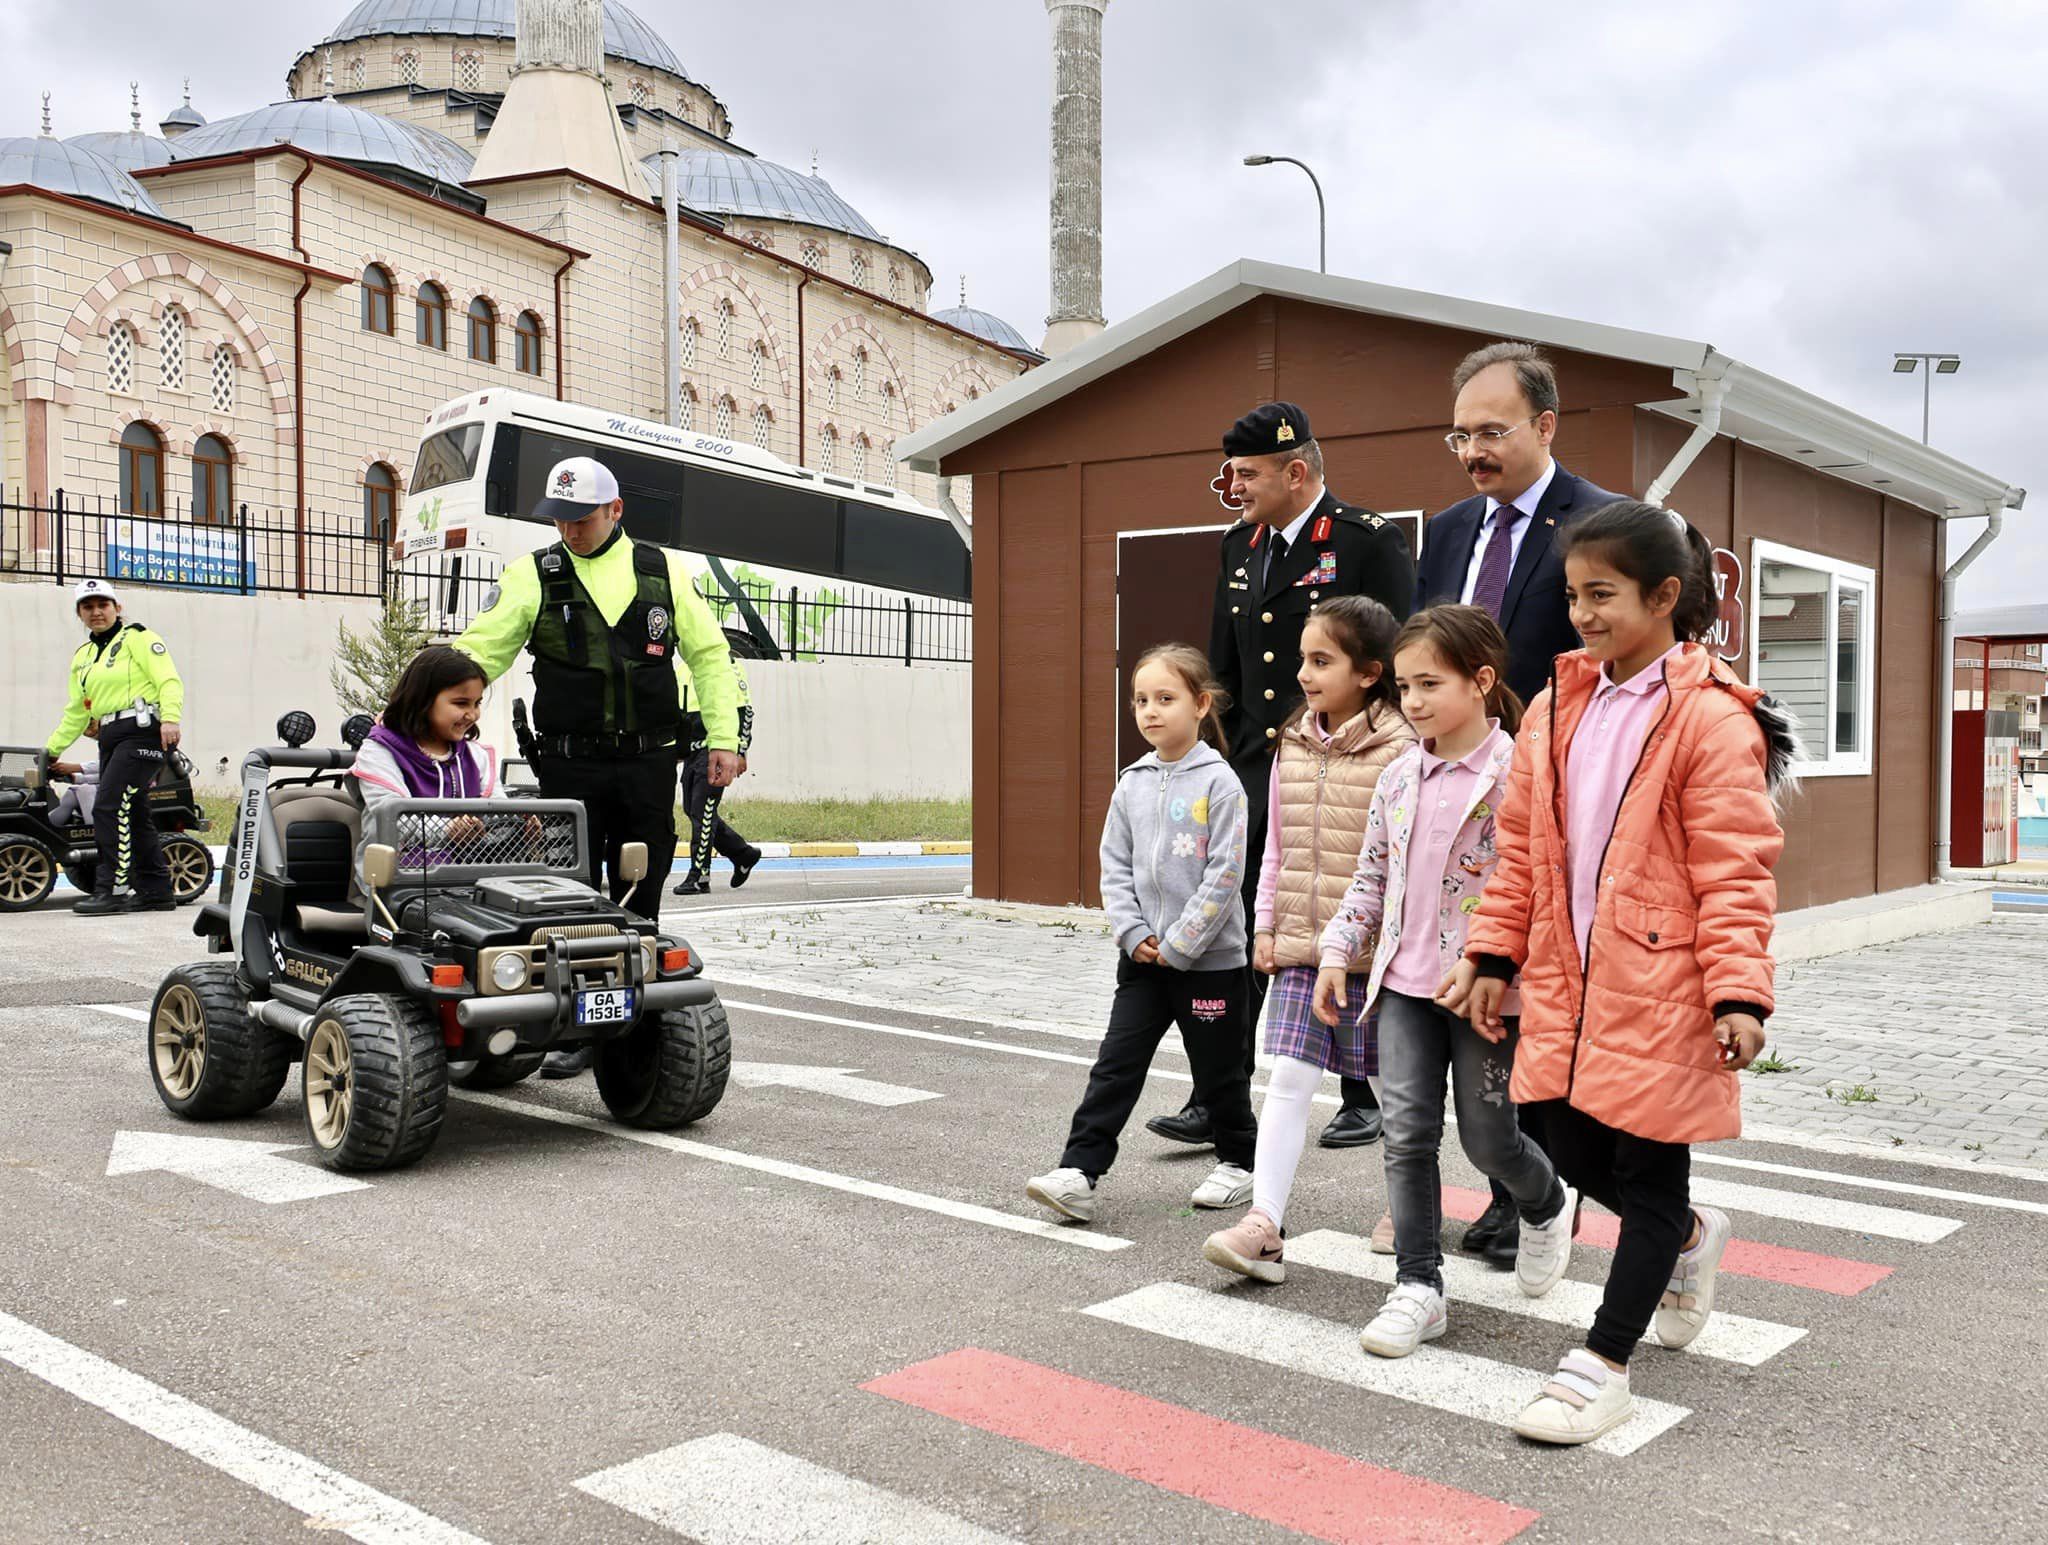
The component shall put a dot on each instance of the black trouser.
(708, 831)
(625, 799)
(131, 755)
(1210, 1008)
(1648, 1185)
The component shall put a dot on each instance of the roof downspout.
(299, 380)
(1713, 391)
(961, 523)
(1945, 681)
(561, 392)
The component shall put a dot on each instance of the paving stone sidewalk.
(1938, 1044)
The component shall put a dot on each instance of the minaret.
(558, 114)
(1076, 173)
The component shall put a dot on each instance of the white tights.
(1283, 1130)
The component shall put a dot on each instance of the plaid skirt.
(1350, 1050)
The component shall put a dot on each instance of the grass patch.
(1854, 1094)
(1771, 1062)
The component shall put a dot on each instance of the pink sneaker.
(1382, 1241)
(1251, 1248)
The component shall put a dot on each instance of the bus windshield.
(448, 457)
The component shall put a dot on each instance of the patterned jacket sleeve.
(1188, 937)
(1119, 877)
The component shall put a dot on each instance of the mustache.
(1480, 466)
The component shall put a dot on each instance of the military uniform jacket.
(1255, 635)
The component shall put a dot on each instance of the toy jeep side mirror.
(633, 861)
(380, 865)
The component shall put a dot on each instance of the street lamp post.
(1322, 215)
(1937, 364)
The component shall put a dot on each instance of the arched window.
(483, 331)
(433, 316)
(120, 358)
(642, 94)
(721, 420)
(223, 376)
(724, 329)
(689, 343)
(889, 463)
(813, 255)
(142, 470)
(896, 285)
(761, 423)
(526, 333)
(760, 367)
(832, 389)
(860, 270)
(888, 402)
(860, 373)
(409, 68)
(380, 502)
(356, 73)
(687, 410)
(828, 449)
(860, 458)
(377, 297)
(213, 481)
(170, 350)
(469, 71)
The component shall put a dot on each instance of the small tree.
(367, 665)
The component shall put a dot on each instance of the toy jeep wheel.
(670, 1071)
(376, 1082)
(28, 873)
(489, 1072)
(191, 866)
(208, 1058)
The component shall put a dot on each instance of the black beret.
(1275, 426)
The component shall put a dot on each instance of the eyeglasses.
(1485, 439)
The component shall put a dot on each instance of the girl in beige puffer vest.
(1330, 756)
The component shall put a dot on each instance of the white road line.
(1825, 1211)
(684, 911)
(728, 1490)
(1729, 1337)
(140, 1016)
(1044, 1228)
(1868, 1183)
(770, 983)
(254, 1170)
(1443, 1380)
(331, 1501)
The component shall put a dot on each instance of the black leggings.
(1648, 1185)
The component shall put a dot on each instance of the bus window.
(900, 551)
(448, 457)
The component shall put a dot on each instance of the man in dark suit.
(1296, 544)
(1499, 550)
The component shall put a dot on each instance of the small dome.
(626, 36)
(131, 150)
(328, 128)
(986, 325)
(184, 117)
(724, 182)
(66, 168)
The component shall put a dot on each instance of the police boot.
(1189, 1124)
(695, 883)
(567, 1064)
(100, 903)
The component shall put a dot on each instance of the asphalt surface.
(448, 1350)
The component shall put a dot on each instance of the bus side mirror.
(380, 865)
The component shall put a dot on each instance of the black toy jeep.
(40, 838)
(476, 941)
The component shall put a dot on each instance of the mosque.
(263, 309)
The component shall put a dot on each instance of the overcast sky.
(1805, 186)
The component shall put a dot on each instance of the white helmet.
(94, 590)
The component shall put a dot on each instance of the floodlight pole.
(1905, 363)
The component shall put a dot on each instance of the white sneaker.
(1585, 1400)
(1067, 1192)
(1414, 1313)
(1689, 1299)
(1546, 1249)
(1227, 1186)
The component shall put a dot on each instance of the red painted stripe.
(1257, 1474)
(1745, 1257)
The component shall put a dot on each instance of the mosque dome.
(185, 116)
(329, 128)
(626, 36)
(61, 167)
(988, 327)
(724, 182)
(129, 149)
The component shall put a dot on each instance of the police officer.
(1296, 544)
(605, 619)
(123, 676)
(709, 832)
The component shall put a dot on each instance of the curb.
(865, 849)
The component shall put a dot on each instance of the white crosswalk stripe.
(728, 1490)
(1434, 1376)
(1920, 1228)
(1728, 1337)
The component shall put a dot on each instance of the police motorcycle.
(471, 937)
(43, 834)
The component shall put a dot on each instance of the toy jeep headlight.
(508, 970)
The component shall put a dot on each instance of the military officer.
(1296, 544)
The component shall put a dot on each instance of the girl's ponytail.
(1466, 638)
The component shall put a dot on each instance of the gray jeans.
(1419, 1043)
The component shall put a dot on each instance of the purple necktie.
(1491, 588)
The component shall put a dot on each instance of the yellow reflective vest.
(131, 666)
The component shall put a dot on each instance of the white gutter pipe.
(1713, 391)
(671, 288)
(961, 524)
(1945, 677)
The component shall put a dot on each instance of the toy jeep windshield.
(470, 937)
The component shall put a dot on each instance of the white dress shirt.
(1525, 504)
(1291, 532)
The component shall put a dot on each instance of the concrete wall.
(848, 729)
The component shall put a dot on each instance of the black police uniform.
(709, 832)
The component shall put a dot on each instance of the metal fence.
(257, 551)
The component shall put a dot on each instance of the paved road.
(813, 1317)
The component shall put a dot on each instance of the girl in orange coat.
(1634, 894)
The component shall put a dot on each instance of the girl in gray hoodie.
(1172, 870)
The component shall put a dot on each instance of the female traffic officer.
(122, 676)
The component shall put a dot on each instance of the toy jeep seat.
(318, 827)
